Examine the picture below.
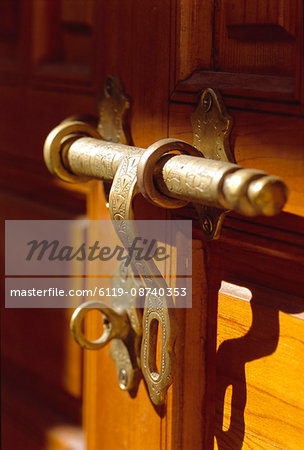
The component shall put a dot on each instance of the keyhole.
(155, 349)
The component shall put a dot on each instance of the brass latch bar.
(171, 173)
(189, 178)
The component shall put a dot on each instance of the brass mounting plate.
(212, 126)
(113, 109)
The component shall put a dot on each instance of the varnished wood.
(192, 35)
(163, 50)
(259, 354)
(262, 327)
(33, 424)
(61, 366)
(257, 20)
(259, 56)
(190, 408)
(40, 362)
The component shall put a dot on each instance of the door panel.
(251, 50)
(41, 366)
(260, 336)
(259, 378)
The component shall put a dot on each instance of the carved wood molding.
(252, 52)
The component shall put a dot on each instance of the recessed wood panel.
(13, 40)
(263, 51)
(38, 341)
(9, 30)
(193, 37)
(29, 422)
(62, 42)
(255, 52)
(259, 20)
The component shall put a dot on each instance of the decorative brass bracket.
(113, 108)
(212, 126)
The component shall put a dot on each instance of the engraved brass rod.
(200, 180)
(98, 159)
(249, 192)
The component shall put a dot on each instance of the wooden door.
(239, 375)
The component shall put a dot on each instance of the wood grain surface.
(248, 391)
(259, 357)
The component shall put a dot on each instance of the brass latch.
(170, 173)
